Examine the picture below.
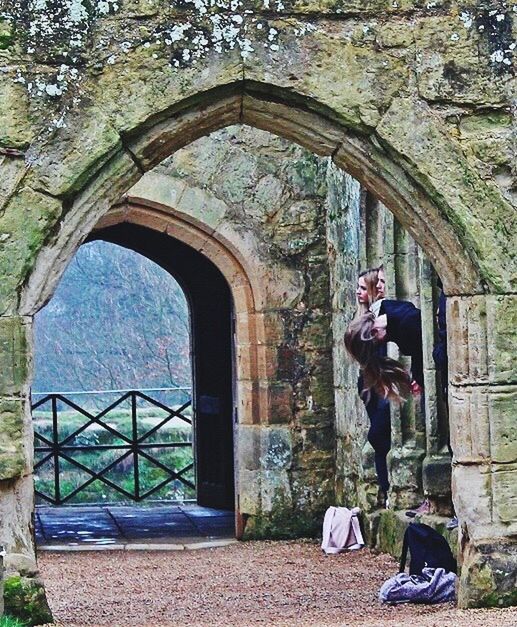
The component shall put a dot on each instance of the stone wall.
(275, 194)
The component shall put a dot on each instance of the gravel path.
(245, 584)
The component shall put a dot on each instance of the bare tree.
(117, 320)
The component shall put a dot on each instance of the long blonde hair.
(386, 376)
(371, 278)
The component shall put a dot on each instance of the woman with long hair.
(371, 286)
(399, 322)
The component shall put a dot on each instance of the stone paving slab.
(127, 527)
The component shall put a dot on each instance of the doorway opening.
(126, 406)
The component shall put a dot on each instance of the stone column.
(482, 395)
(16, 458)
(355, 474)
(377, 247)
(436, 469)
(16, 441)
(408, 427)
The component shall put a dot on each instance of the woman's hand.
(416, 389)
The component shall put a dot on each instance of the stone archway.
(341, 94)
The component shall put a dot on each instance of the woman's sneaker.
(423, 508)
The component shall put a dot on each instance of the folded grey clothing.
(435, 585)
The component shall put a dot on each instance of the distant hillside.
(117, 320)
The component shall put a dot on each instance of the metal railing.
(57, 449)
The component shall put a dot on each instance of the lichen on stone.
(56, 33)
(495, 27)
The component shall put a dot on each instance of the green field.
(122, 474)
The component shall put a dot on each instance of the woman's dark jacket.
(405, 330)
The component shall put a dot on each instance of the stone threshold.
(140, 546)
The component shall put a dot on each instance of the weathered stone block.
(276, 448)
(248, 402)
(155, 187)
(317, 333)
(472, 493)
(14, 355)
(250, 449)
(276, 492)
(12, 442)
(182, 128)
(283, 288)
(390, 532)
(503, 425)
(302, 127)
(25, 599)
(501, 314)
(405, 466)
(280, 402)
(89, 206)
(355, 75)
(504, 482)
(63, 165)
(321, 387)
(489, 574)
(24, 224)
(469, 423)
(313, 492)
(436, 476)
(484, 124)
(467, 339)
(16, 508)
(399, 34)
(12, 171)
(16, 131)
(449, 65)
(249, 482)
(480, 216)
(320, 439)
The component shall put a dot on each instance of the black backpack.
(427, 548)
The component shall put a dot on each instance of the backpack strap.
(403, 555)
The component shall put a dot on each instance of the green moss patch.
(25, 599)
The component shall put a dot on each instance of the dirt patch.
(245, 584)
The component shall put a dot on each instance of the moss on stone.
(12, 458)
(283, 525)
(390, 533)
(285, 522)
(6, 35)
(25, 599)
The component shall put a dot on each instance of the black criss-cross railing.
(55, 449)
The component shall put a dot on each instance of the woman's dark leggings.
(379, 436)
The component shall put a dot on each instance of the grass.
(9, 621)
(71, 477)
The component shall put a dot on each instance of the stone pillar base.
(489, 574)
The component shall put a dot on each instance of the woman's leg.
(379, 436)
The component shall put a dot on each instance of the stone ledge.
(386, 529)
(192, 544)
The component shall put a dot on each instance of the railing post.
(55, 444)
(135, 445)
(2, 553)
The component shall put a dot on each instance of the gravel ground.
(245, 584)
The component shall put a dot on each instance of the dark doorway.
(211, 314)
